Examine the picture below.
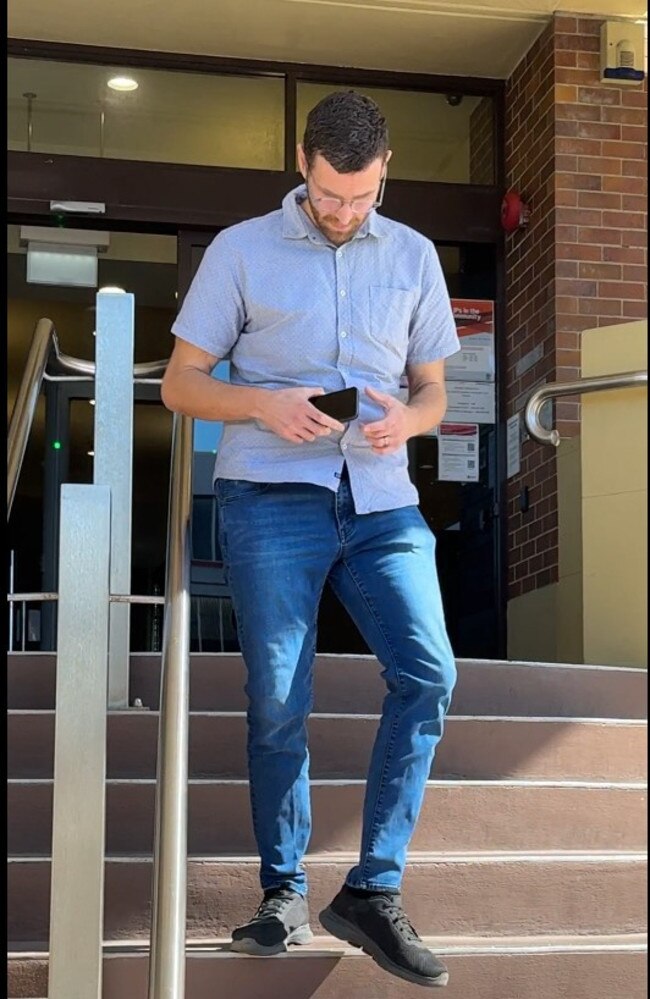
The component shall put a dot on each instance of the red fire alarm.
(514, 213)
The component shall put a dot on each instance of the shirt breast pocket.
(390, 315)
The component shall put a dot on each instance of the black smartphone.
(342, 406)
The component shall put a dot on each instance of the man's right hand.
(290, 415)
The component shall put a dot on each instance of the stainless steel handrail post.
(11, 609)
(629, 379)
(113, 466)
(167, 953)
(78, 822)
(24, 409)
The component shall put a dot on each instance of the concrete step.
(353, 683)
(461, 894)
(578, 967)
(514, 815)
(473, 747)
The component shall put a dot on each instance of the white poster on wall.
(458, 445)
(513, 445)
(470, 402)
(471, 364)
(475, 328)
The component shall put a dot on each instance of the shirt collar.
(296, 224)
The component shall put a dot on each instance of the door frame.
(194, 202)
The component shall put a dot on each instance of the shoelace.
(399, 919)
(273, 905)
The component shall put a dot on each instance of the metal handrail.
(115, 598)
(145, 369)
(44, 343)
(22, 417)
(168, 925)
(168, 921)
(629, 379)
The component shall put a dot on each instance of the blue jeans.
(281, 543)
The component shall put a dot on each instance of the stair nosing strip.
(507, 663)
(522, 783)
(570, 943)
(415, 857)
(351, 716)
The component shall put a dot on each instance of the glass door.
(61, 445)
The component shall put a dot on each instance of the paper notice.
(470, 402)
(475, 327)
(513, 445)
(471, 364)
(458, 452)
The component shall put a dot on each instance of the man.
(321, 295)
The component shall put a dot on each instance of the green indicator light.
(56, 445)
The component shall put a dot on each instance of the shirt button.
(343, 334)
(344, 447)
(343, 293)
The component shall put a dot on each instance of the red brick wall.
(481, 143)
(576, 151)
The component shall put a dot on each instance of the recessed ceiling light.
(91, 454)
(112, 289)
(123, 83)
(92, 402)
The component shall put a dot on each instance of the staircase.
(527, 871)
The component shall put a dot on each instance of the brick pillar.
(481, 143)
(576, 151)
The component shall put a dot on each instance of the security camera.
(453, 100)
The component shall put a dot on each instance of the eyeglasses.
(358, 206)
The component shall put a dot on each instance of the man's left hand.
(388, 435)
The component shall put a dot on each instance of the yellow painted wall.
(532, 626)
(570, 645)
(615, 501)
(545, 625)
(596, 612)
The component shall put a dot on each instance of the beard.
(330, 226)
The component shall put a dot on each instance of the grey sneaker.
(282, 919)
(378, 924)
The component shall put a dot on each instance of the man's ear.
(302, 160)
(389, 153)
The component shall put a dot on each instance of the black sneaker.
(282, 919)
(378, 924)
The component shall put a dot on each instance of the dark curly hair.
(347, 129)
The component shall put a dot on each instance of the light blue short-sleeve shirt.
(288, 309)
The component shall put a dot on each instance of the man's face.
(355, 193)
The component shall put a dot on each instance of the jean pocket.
(231, 490)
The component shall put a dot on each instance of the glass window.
(172, 117)
(437, 137)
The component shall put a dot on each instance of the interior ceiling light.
(123, 83)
